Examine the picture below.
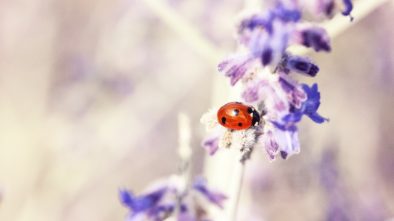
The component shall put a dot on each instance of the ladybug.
(238, 116)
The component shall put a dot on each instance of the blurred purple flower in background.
(338, 207)
(143, 204)
(342, 203)
(216, 198)
(172, 198)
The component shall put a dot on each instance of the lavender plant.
(264, 67)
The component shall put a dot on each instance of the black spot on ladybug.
(240, 124)
(224, 120)
(250, 110)
(236, 112)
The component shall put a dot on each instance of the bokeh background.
(90, 92)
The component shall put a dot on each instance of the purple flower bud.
(266, 57)
(256, 21)
(329, 8)
(283, 154)
(316, 38)
(348, 7)
(299, 64)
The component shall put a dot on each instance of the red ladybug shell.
(237, 116)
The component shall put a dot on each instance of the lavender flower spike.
(264, 66)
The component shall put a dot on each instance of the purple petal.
(317, 118)
(126, 198)
(293, 117)
(141, 203)
(235, 68)
(216, 198)
(290, 143)
(286, 85)
(256, 21)
(301, 65)
(250, 94)
(269, 143)
(308, 107)
(348, 7)
(185, 216)
(285, 126)
(211, 145)
(283, 142)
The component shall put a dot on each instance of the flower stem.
(185, 154)
(237, 190)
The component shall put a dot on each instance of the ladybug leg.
(255, 118)
(226, 139)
